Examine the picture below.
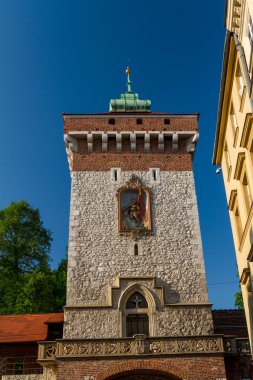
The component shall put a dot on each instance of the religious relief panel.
(134, 208)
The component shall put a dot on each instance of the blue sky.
(70, 56)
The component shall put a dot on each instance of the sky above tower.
(70, 56)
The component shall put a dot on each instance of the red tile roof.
(26, 327)
(34, 327)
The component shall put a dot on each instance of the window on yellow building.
(240, 81)
(234, 208)
(227, 161)
(233, 118)
(242, 176)
(234, 124)
(246, 192)
(251, 152)
(249, 32)
(247, 136)
(238, 222)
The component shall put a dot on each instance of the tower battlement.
(95, 142)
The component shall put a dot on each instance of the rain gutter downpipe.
(240, 50)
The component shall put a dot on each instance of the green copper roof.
(129, 102)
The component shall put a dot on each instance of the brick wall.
(132, 162)
(187, 368)
(101, 123)
(125, 158)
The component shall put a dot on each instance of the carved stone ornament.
(142, 346)
(50, 375)
(68, 349)
(139, 344)
(134, 209)
(50, 351)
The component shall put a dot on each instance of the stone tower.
(136, 292)
(112, 158)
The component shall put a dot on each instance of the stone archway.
(142, 374)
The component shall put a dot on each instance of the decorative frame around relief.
(139, 226)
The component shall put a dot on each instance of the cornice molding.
(130, 116)
(234, 12)
(228, 69)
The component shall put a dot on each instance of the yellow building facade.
(233, 149)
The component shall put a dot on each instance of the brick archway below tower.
(142, 375)
(145, 369)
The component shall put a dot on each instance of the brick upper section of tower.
(131, 141)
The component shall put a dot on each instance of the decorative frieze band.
(137, 345)
(141, 345)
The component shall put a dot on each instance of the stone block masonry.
(99, 256)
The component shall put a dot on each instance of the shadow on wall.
(170, 295)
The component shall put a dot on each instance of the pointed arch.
(126, 312)
(131, 289)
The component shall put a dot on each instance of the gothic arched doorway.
(138, 311)
(137, 321)
(143, 375)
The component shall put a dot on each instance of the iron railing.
(20, 366)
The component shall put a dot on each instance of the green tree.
(238, 297)
(24, 242)
(27, 283)
(239, 300)
(42, 291)
(59, 280)
(36, 294)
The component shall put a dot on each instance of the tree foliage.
(238, 297)
(239, 300)
(24, 242)
(27, 283)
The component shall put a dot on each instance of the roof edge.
(129, 115)
(221, 94)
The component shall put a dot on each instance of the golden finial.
(128, 71)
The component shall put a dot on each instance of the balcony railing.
(13, 366)
(238, 346)
(138, 345)
(142, 345)
(242, 346)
